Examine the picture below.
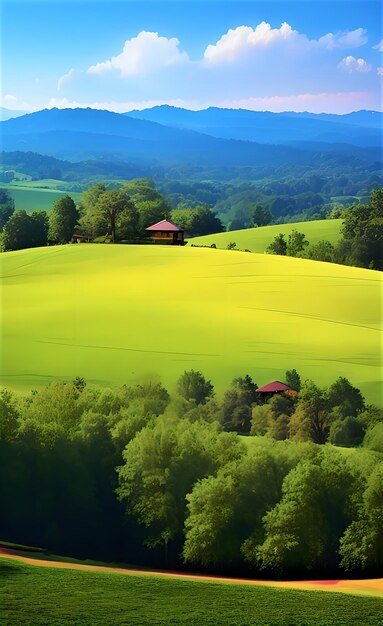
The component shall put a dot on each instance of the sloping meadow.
(123, 314)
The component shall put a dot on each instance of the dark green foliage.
(293, 379)
(237, 403)
(321, 251)
(7, 207)
(278, 245)
(162, 464)
(312, 418)
(361, 546)
(62, 220)
(193, 386)
(25, 231)
(373, 439)
(296, 243)
(69, 437)
(200, 220)
(343, 396)
(347, 431)
(260, 215)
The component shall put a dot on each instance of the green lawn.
(29, 197)
(42, 596)
(257, 239)
(122, 314)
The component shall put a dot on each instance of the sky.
(305, 55)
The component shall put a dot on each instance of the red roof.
(273, 387)
(165, 225)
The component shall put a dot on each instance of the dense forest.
(288, 484)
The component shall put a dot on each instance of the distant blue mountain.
(361, 128)
(87, 133)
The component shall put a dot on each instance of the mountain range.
(163, 136)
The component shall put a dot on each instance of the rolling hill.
(120, 314)
(257, 239)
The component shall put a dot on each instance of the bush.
(373, 439)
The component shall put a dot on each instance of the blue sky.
(323, 55)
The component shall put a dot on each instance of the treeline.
(136, 475)
(361, 244)
(104, 214)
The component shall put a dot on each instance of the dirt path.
(368, 587)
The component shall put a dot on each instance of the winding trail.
(365, 587)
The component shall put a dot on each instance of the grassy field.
(122, 314)
(257, 239)
(44, 595)
(30, 197)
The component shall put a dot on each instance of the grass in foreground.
(118, 314)
(42, 596)
(257, 239)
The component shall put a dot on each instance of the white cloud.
(379, 46)
(379, 71)
(143, 54)
(344, 39)
(65, 77)
(243, 38)
(9, 101)
(351, 64)
(325, 102)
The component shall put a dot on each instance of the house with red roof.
(166, 232)
(276, 387)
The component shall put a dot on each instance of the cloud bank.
(259, 65)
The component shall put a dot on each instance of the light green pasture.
(30, 198)
(257, 239)
(120, 314)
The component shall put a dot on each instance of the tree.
(161, 465)
(9, 416)
(293, 379)
(116, 204)
(296, 243)
(204, 221)
(194, 387)
(311, 419)
(347, 398)
(152, 207)
(260, 215)
(278, 245)
(361, 546)
(321, 251)
(347, 432)
(38, 229)
(7, 206)
(237, 404)
(62, 220)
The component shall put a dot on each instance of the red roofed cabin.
(276, 387)
(166, 232)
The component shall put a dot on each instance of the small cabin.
(77, 238)
(166, 232)
(269, 390)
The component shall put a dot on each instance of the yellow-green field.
(257, 239)
(118, 314)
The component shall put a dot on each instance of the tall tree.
(296, 243)
(312, 417)
(62, 220)
(7, 206)
(193, 386)
(278, 245)
(260, 215)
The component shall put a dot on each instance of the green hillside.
(119, 314)
(32, 198)
(257, 239)
(44, 595)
